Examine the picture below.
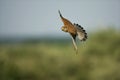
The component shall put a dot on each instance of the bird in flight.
(74, 30)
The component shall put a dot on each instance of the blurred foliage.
(98, 59)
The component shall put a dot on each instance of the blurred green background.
(55, 59)
(33, 47)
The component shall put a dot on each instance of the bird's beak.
(62, 29)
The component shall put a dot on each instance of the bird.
(75, 30)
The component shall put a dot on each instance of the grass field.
(98, 59)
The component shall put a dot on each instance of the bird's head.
(64, 28)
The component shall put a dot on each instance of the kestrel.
(74, 30)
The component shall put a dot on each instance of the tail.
(60, 14)
(82, 35)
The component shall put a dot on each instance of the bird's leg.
(74, 43)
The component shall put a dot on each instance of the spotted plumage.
(74, 30)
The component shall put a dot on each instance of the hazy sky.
(41, 18)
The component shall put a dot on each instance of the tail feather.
(82, 35)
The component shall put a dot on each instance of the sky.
(41, 18)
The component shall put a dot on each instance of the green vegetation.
(98, 59)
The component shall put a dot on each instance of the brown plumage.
(74, 30)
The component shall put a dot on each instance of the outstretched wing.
(81, 33)
(68, 24)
